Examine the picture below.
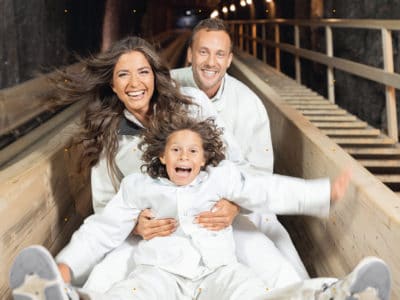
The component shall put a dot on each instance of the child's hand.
(65, 272)
(339, 186)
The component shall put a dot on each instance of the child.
(184, 159)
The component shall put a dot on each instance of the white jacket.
(244, 116)
(128, 157)
(191, 251)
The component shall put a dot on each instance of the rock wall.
(38, 35)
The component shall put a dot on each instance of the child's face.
(183, 156)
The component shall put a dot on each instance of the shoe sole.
(371, 272)
(37, 262)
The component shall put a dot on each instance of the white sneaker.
(370, 278)
(34, 275)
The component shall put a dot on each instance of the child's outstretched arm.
(339, 186)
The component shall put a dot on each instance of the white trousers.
(233, 282)
(253, 248)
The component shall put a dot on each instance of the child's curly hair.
(156, 136)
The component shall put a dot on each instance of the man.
(210, 55)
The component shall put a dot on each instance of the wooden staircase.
(369, 146)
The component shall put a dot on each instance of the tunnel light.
(214, 14)
(232, 7)
(249, 2)
(225, 10)
(242, 3)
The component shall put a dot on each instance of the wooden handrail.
(385, 75)
(22, 103)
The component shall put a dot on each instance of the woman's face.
(133, 82)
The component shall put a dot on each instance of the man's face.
(210, 55)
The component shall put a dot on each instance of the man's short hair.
(211, 24)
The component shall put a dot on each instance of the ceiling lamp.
(232, 7)
(225, 10)
(214, 14)
(242, 3)
(249, 2)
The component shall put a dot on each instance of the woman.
(124, 88)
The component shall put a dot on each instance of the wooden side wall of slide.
(366, 222)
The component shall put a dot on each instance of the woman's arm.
(220, 217)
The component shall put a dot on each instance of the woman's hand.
(339, 186)
(220, 217)
(65, 272)
(148, 227)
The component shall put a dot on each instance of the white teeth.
(135, 94)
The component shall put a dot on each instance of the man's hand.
(148, 227)
(220, 217)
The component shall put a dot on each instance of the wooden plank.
(388, 178)
(307, 97)
(12, 150)
(352, 132)
(337, 112)
(364, 141)
(306, 102)
(380, 163)
(372, 151)
(312, 106)
(366, 222)
(41, 196)
(332, 125)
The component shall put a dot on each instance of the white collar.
(132, 118)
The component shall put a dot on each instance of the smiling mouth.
(136, 94)
(209, 73)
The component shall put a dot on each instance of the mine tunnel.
(327, 73)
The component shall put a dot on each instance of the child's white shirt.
(191, 251)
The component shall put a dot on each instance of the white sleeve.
(101, 185)
(204, 110)
(100, 233)
(253, 128)
(259, 151)
(284, 195)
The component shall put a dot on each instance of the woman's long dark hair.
(91, 81)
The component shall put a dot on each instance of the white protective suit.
(186, 259)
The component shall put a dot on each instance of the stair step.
(336, 112)
(388, 178)
(380, 163)
(332, 118)
(364, 141)
(333, 125)
(307, 97)
(312, 106)
(372, 151)
(352, 132)
(307, 102)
